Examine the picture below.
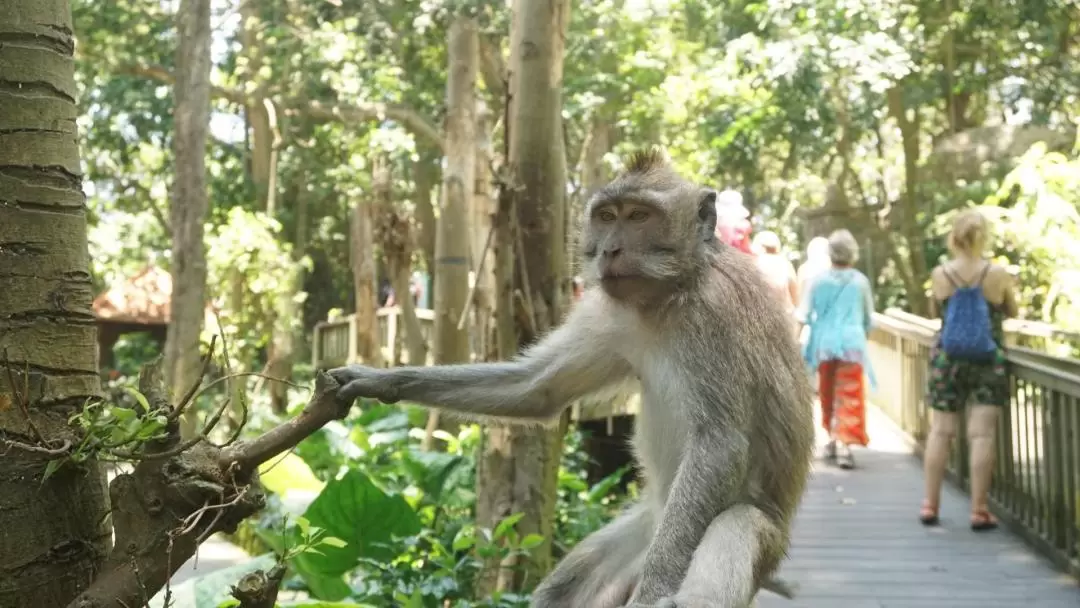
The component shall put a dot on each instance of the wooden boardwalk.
(858, 544)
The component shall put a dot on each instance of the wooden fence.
(1036, 488)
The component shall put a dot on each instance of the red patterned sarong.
(843, 401)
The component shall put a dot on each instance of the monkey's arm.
(709, 480)
(573, 361)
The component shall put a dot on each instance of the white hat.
(729, 203)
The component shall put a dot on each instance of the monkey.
(724, 436)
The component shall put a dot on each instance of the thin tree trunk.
(913, 268)
(452, 240)
(426, 178)
(54, 536)
(483, 256)
(189, 203)
(362, 253)
(519, 466)
(249, 63)
(395, 236)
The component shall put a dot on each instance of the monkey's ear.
(707, 215)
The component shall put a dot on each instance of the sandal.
(982, 520)
(830, 451)
(928, 514)
(845, 460)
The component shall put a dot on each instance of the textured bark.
(362, 254)
(395, 234)
(483, 256)
(914, 269)
(189, 198)
(54, 536)
(453, 232)
(426, 178)
(519, 466)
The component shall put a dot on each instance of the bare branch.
(160, 508)
(259, 589)
(412, 120)
(493, 67)
(323, 407)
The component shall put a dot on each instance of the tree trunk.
(913, 267)
(362, 253)
(483, 256)
(189, 201)
(452, 239)
(425, 177)
(519, 465)
(395, 236)
(54, 536)
(249, 63)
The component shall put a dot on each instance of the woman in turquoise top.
(838, 312)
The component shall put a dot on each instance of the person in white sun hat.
(732, 220)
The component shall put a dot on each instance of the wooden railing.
(335, 342)
(1036, 488)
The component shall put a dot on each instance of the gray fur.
(725, 434)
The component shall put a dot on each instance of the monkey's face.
(629, 247)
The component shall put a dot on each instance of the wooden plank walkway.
(858, 543)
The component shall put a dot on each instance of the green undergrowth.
(363, 517)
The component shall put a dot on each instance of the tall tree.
(452, 237)
(362, 260)
(519, 466)
(53, 535)
(189, 199)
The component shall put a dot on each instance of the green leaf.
(51, 468)
(138, 397)
(430, 470)
(531, 541)
(304, 525)
(464, 539)
(356, 511)
(334, 541)
(507, 524)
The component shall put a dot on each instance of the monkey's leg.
(741, 546)
(602, 570)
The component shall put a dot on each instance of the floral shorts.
(953, 382)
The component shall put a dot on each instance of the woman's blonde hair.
(970, 231)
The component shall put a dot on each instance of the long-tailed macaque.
(725, 434)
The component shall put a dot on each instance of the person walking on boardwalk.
(973, 296)
(839, 311)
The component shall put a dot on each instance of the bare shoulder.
(939, 283)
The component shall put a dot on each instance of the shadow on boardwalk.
(858, 543)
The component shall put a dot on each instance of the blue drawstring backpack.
(966, 333)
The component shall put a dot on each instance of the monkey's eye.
(606, 216)
(639, 215)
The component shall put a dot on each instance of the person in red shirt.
(733, 221)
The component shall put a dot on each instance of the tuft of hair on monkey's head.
(649, 159)
(647, 229)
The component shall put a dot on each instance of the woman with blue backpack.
(973, 296)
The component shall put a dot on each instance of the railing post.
(353, 342)
(391, 337)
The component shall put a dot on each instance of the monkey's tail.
(781, 587)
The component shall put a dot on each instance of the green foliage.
(1037, 216)
(111, 432)
(405, 515)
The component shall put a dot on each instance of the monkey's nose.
(611, 252)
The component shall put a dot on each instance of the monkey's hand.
(361, 381)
